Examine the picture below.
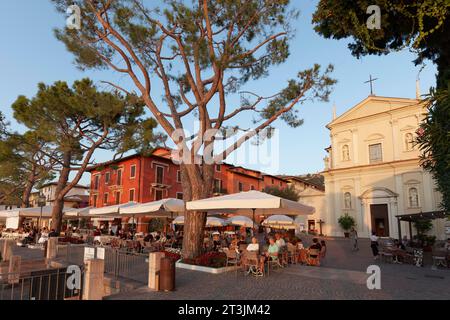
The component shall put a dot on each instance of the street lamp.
(41, 203)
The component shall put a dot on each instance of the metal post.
(410, 231)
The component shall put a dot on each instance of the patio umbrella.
(160, 208)
(279, 222)
(251, 202)
(210, 221)
(215, 222)
(110, 210)
(242, 221)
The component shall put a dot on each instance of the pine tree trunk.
(58, 204)
(197, 184)
(28, 187)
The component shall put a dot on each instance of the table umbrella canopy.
(242, 221)
(251, 202)
(160, 208)
(110, 210)
(210, 221)
(30, 212)
(279, 222)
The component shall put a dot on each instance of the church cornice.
(372, 165)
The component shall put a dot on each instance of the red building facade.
(149, 178)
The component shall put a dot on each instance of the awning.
(431, 215)
(110, 210)
(160, 208)
(251, 202)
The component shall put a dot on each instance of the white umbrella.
(251, 202)
(242, 221)
(279, 222)
(160, 208)
(178, 220)
(210, 221)
(34, 212)
(110, 210)
(215, 222)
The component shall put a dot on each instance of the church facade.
(372, 171)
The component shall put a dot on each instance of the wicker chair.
(313, 257)
(292, 253)
(233, 259)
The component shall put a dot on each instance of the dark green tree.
(287, 193)
(76, 121)
(200, 53)
(423, 27)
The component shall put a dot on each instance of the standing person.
(354, 238)
(374, 245)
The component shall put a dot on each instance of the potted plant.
(346, 222)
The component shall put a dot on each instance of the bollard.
(94, 288)
(154, 266)
(7, 249)
(167, 275)
(14, 269)
(52, 248)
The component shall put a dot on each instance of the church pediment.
(370, 106)
(378, 192)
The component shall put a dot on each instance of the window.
(180, 195)
(347, 200)
(133, 171)
(105, 198)
(345, 153)
(159, 174)
(240, 186)
(96, 182)
(117, 197)
(409, 142)
(107, 177)
(178, 176)
(218, 167)
(281, 183)
(119, 177)
(413, 198)
(131, 195)
(158, 195)
(273, 181)
(252, 187)
(217, 185)
(375, 153)
(94, 201)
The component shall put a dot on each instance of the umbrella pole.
(253, 220)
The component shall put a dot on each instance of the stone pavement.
(342, 276)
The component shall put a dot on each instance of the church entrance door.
(380, 219)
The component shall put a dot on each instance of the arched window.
(345, 153)
(413, 198)
(347, 200)
(409, 142)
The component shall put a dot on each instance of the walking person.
(374, 245)
(354, 239)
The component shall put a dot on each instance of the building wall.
(356, 185)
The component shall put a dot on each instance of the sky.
(30, 54)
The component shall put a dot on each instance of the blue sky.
(30, 54)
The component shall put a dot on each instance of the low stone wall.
(192, 267)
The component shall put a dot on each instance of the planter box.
(181, 265)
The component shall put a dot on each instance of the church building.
(372, 171)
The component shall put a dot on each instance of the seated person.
(254, 246)
(279, 240)
(300, 245)
(316, 245)
(148, 238)
(53, 234)
(272, 250)
(447, 245)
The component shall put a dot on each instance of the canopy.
(110, 210)
(255, 202)
(242, 221)
(210, 221)
(30, 212)
(215, 222)
(280, 222)
(160, 208)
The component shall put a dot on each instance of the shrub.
(346, 222)
(210, 259)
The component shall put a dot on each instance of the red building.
(148, 178)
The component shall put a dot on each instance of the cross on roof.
(371, 84)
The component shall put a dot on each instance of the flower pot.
(347, 234)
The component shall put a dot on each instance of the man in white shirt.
(254, 246)
(280, 241)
